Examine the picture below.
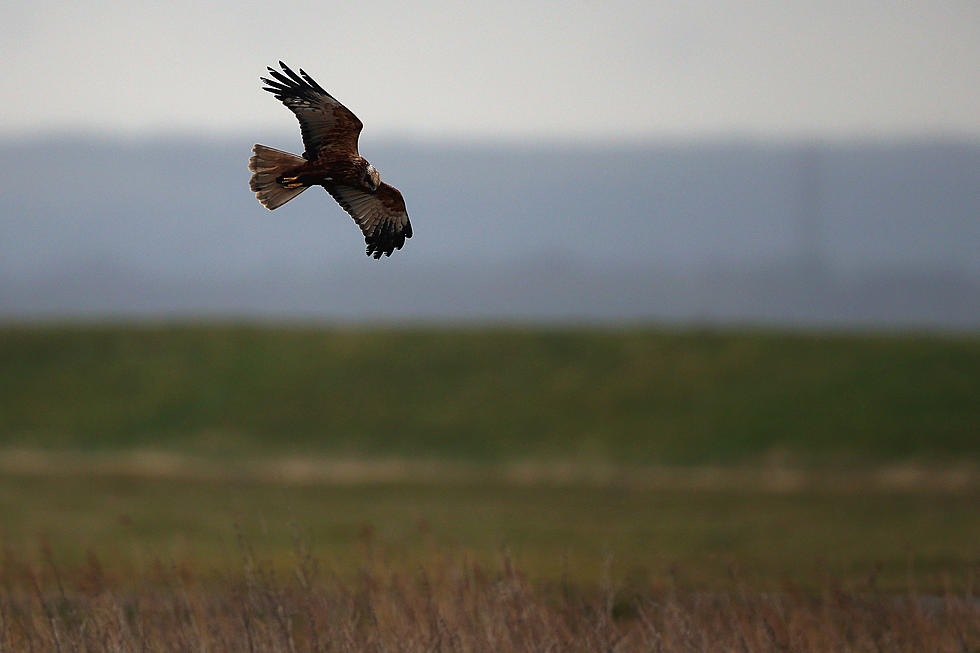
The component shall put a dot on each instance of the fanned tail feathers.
(268, 165)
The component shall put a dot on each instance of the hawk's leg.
(290, 182)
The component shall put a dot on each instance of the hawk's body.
(331, 160)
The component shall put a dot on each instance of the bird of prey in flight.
(331, 160)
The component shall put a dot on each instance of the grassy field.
(169, 487)
(883, 540)
(636, 395)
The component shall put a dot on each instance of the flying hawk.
(331, 160)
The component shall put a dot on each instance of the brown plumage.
(331, 160)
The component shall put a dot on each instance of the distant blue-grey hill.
(807, 234)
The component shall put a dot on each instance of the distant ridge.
(876, 234)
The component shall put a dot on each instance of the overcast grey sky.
(831, 68)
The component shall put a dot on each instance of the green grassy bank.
(637, 395)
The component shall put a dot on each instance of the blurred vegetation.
(223, 398)
(631, 395)
(449, 603)
(868, 540)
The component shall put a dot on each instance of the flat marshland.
(223, 487)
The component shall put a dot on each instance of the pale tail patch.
(268, 165)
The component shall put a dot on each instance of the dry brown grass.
(773, 475)
(447, 605)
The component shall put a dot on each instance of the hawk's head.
(372, 178)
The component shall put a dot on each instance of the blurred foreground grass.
(453, 603)
(634, 395)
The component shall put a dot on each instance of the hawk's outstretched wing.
(380, 215)
(324, 122)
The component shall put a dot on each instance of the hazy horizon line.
(510, 139)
